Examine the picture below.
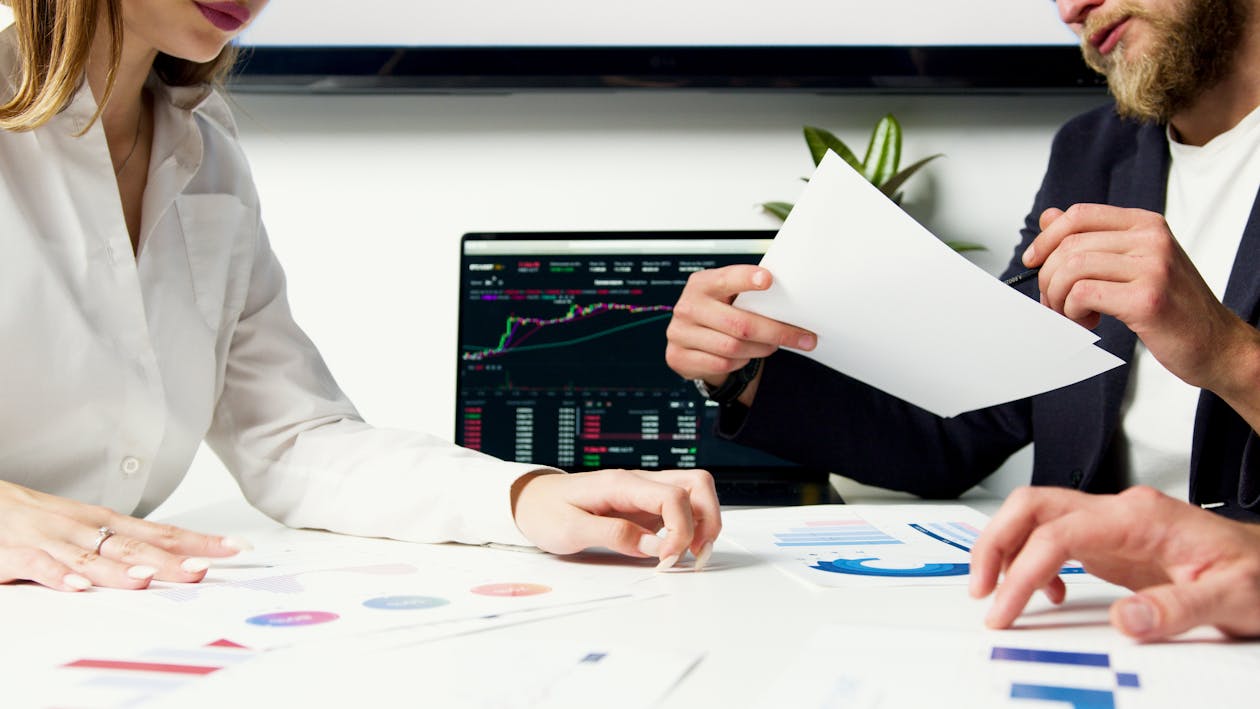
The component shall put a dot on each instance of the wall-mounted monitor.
(820, 45)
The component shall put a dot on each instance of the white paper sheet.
(287, 593)
(859, 667)
(896, 308)
(863, 546)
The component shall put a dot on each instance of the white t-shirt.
(1211, 190)
(116, 366)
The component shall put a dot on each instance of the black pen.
(1019, 278)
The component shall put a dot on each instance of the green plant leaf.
(961, 246)
(883, 152)
(820, 141)
(895, 182)
(778, 209)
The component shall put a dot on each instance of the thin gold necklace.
(135, 140)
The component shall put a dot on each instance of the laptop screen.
(562, 358)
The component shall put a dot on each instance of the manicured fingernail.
(650, 544)
(1029, 253)
(759, 279)
(194, 565)
(668, 562)
(807, 342)
(236, 543)
(142, 573)
(77, 582)
(702, 559)
(1137, 616)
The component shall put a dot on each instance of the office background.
(365, 198)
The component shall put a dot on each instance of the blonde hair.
(54, 41)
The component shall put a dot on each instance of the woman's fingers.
(25, 564)
(100, 570)
(133, 552)
(70, 545)
(175, 540)
(705, 509)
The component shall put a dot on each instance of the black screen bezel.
(930, 69)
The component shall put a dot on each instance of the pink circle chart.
(511, 589)
(292, 619)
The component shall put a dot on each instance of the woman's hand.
(71, 546)
(621, 510)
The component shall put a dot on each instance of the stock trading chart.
(562, 358)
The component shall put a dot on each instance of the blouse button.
(130, 466)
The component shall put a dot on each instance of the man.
(1146, 229)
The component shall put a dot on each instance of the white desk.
(748, 620)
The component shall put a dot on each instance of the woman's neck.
(121, 113)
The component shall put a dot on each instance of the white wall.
(366, 197)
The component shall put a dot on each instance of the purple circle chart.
(511, 589)
(292, 619)
(405, 603)
(860, 567)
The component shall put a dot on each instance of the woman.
(144, 311)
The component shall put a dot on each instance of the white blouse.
(116, 366)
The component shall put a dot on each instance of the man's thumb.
(1163, 611)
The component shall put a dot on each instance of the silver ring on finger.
(101, 535)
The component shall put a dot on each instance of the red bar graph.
(132, 666)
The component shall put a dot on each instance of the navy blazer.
(811, 414)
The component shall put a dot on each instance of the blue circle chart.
(859, 567)
(405, 603)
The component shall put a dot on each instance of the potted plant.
(881, 166)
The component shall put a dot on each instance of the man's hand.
(621, 510)
(709, 338)
(1102, 260)
(1190, 567)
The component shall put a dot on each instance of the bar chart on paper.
(135, 676)
(863, 545)
(867, 667)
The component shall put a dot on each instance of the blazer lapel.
(1242, 294)
(1243, 290)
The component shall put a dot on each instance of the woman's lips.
(227, 16)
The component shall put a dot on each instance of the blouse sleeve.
(303, 456)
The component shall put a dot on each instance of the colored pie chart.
(874, 567)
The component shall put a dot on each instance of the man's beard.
(1189, 52)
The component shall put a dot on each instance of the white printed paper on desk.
(848, 546)
(896, 308)
(302, 587)
(1074, 667)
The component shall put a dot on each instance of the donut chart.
(861, 567)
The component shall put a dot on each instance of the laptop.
(561, 359)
